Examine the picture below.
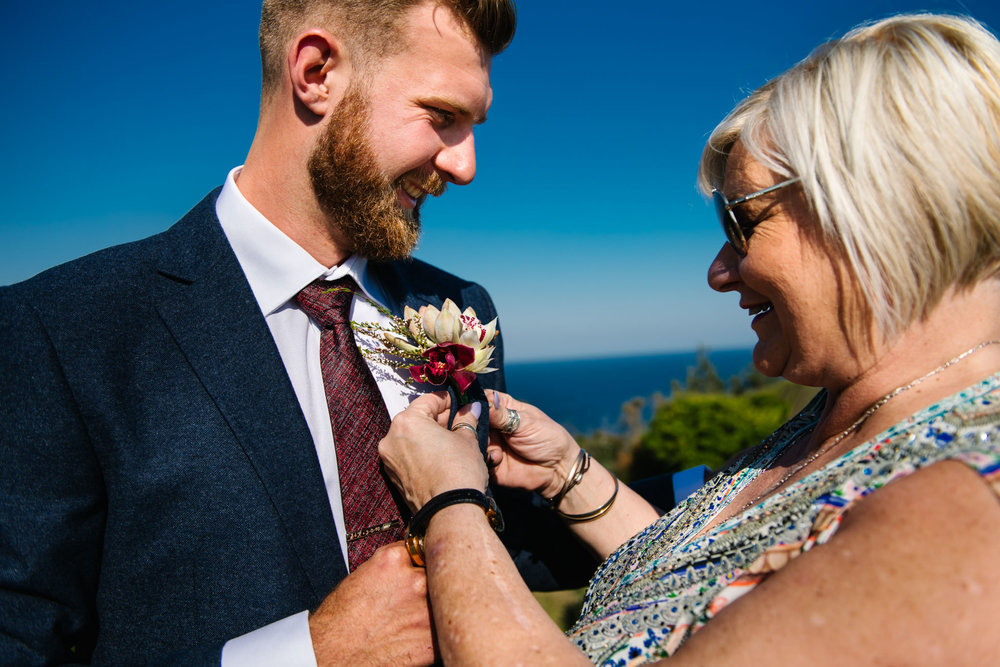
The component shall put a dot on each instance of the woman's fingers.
(424, 459)
(505, 413)
(467, 419)
(498, 399)
(494, 454)
(430, 405)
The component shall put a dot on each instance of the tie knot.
(328, 302)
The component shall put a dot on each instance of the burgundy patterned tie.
(359, 420)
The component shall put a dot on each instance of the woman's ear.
(318, 70)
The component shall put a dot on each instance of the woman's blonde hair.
(894, 131)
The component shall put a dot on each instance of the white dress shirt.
(277, 268)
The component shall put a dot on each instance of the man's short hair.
(371, 27)
(894, 133)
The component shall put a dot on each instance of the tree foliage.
(691, 429)
(704, 424)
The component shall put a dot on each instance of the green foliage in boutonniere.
(436, 346)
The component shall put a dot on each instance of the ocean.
(587, 394)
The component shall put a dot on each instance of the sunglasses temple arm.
(754, 195)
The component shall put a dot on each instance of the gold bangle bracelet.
(580, 466)
(596, 514)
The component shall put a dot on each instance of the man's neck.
(288, 203)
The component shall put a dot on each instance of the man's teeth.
(757, 310)
(412, 190)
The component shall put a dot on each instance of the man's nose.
(458, 160)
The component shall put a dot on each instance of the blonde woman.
(860, 197)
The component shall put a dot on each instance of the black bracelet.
(418, 525)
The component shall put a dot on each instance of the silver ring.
(464, 425)
(513, 421)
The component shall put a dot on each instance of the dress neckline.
(757, 459)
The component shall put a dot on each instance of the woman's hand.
(423, 458)
(537, 456)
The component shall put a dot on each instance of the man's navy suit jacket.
(161, 492)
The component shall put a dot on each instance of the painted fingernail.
(476, 409)
(496, 400)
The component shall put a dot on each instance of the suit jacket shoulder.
(163, 488)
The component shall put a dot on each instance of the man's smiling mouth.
(412, 190)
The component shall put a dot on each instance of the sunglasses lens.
(732, 230)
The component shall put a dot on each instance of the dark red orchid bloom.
(444, 361)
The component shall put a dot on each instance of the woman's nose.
(723, 273)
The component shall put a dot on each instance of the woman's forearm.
(483, 612)
(628, 514)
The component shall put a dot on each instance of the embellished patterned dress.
(668, 581)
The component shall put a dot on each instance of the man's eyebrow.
(457, 108)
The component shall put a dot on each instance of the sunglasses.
(737, 232)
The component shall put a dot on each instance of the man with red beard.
(173, 474)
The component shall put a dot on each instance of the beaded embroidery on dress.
(668, 581)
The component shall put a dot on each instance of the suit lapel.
(399, 292)
(206, 303)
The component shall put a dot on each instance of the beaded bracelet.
(580, 466)
(595, 514)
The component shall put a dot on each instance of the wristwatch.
(414, 539)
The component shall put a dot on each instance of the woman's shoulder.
(965, 427)
(935, 455)
(925, 543)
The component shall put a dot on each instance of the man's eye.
(442, 117)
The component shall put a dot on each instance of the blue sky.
(584, 221)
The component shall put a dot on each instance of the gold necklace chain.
(868, 413)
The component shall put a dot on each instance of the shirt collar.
(276, 267)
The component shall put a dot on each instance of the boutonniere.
(436, 346)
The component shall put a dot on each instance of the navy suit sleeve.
(52, 519)
(159, 491)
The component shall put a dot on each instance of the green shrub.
(691, 429)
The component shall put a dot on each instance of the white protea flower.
(447, 343)
(451, 325)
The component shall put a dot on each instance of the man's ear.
(319, 70)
